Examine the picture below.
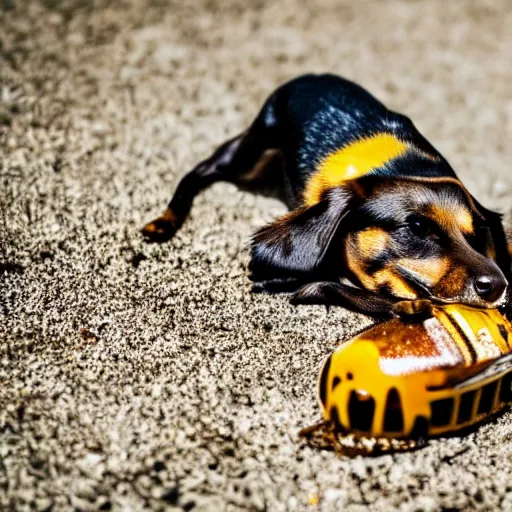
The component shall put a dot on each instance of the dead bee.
(411, 380)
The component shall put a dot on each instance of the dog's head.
(428, 238)
(399, 237)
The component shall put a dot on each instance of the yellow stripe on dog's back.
(352, 161)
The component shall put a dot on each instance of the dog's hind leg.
(237, 161)
(201, 176)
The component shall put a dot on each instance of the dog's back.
(330, 130)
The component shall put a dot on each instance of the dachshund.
(377, 215)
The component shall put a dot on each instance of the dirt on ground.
(148, 377)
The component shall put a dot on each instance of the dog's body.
(377, 214)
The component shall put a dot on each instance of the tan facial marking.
(431, 270)
(464, 220)
(446, 217)
(371, 242)
(452, 283)
(355, 259)
(491, 250)
(354, 263)
(366, 245)
(396, 284)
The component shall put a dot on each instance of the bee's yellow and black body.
(410, 380)
(372, 203)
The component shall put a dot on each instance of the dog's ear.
(501, 245)
(296, 244)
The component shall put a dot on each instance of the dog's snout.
(490, 287)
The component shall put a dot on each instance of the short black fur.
(307, 251)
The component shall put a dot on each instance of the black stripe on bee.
(466, 406)
(323, 380)
(487, 397)
(503, 332)
(419, 431)
(335, 382)
(464, 338)
(335, 418)
(361, 410)
(441, 412)
(506, 388)
(394, 416)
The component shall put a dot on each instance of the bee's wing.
(501, 365)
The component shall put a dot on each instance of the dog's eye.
(419, 226)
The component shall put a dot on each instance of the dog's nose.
(490, 288)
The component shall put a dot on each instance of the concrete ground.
(138, 377)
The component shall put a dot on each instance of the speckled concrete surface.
(137, 377)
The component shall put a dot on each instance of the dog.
(377, 215)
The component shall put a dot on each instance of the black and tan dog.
(377, 214)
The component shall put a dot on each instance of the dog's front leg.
(337, 294)
(278, 285)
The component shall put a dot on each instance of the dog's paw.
(312, 293)
(162, 229)
(413, 310)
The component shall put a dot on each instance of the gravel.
(146, 377)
